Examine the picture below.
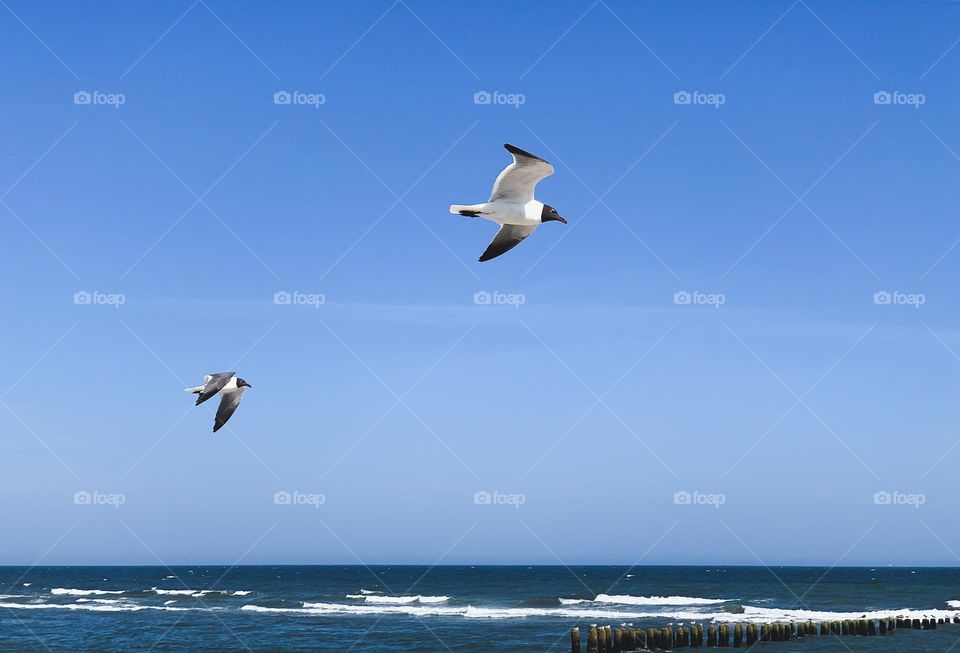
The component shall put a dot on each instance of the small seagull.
(511, 204)
(226, 384)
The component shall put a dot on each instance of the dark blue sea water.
(383, 609)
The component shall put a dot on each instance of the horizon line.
(485, 564)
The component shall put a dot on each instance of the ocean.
(409, 608)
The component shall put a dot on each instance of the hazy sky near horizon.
(743, 349)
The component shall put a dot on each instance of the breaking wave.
(398, 600)
(749, 614)
(626, 599)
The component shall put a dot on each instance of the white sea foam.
(92, 607)
(370, 591)
(750, 614)
(564, 601)
(66, 591)
(626, 599)
(779, 614)
(197, 593)
(468, 612)
(183, 592)
(954, 604)
(398, 600)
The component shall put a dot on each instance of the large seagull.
(229, 386)
(511, 204)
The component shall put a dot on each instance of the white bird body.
(511, 204)
(228, 386)
(504, 212)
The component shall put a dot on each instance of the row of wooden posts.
(619, 639)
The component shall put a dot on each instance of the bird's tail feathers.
(469, 210)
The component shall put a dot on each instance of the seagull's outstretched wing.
(228, 405)
(212, 384)
(517, 181)
(509, 236)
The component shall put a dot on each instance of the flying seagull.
(511, 204)
(230, 388)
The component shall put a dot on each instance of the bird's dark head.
(242, 384)
(549, 213)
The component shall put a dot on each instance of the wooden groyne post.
(626, 637)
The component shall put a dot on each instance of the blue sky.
(788, 192)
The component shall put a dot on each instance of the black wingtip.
(513, 149)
